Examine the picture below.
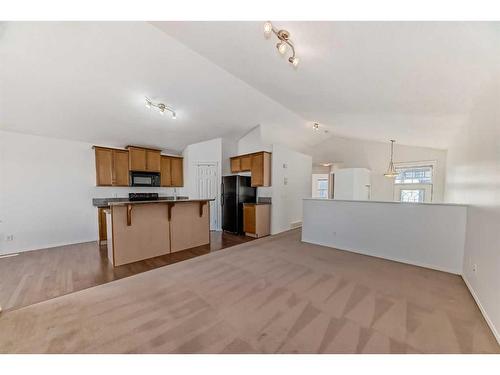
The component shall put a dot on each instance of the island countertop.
(104, 202)
(164, 200)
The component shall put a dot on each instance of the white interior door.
(208, 182)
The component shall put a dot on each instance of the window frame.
(428, 187)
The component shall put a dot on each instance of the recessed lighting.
(326, 164)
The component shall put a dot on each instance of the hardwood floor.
(39, 275)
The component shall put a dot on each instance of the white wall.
(286, 164)
(291, 180)
(417, 234)
(46, 191)
(474, 178)
(253, 141)
(357, 153)
(208, 151)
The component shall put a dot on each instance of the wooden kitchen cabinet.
(171, 171)
(177, 172)
(153, 161)
(261, 169)
(104, 166)
(120, 168)
(257, 219)
(111, 167)
(144, 159)
(103, 233)
(246, 163)
(257, 163)
(235, 165)
(166, 171)
(137, 159)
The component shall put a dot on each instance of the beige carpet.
(275, 295)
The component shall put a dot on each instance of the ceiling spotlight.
(160, 107)
(268, 28)
(281, 46)
(284, 42)
(315, 126)
(294, 61)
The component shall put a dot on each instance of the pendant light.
(391, 171)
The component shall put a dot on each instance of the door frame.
(217, 204)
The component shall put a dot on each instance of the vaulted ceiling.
(415, 82)
(412, 81)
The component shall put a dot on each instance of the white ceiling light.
(315, 126)
(391, 171)
(160, 107)
(284, 43)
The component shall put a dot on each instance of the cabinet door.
(153, 161)
(104, 167)
(257, 170)
(120, 168)
(103, 235)
(137, 159)
(249, 225)
(177, 172)
(235, 165)
(246, 163)
(166, 171)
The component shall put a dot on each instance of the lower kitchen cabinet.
(257, 219)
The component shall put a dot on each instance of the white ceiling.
(415, 82)
(412, 81)
(87, 81)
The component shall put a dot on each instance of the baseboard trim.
(50, 246)
(481, 308)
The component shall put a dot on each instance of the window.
(323, 188)
(415, 175)
(415, 195)
(414, 182)
(320, 185)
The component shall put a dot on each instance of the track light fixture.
(284, 42)
(160, 107)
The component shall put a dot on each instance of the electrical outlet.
(9, 237)
(474, 267)
(285, 181)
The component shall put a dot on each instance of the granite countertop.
(161, 200)
(104, 202)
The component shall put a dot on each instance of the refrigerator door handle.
(222, 194)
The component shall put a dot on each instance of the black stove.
(143, 196)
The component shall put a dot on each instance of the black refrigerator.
(235, 191)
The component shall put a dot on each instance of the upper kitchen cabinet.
(246, 163)
(111, 167)
(166, 171)
(120, 168)
(177, 172)
(171, 171)
(235, 164)
(241, 163)
(143, 159)
(261, 169)
(258, 164)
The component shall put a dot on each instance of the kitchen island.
(138, 230)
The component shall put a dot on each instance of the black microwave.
(144, 179)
